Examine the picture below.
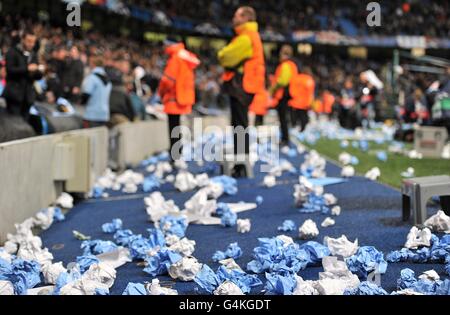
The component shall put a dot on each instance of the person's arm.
(87, 89)
(79, 72)
(236, 52)
(168, 79)
(85, 98)
(284, 79)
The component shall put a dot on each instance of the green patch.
(391, 169)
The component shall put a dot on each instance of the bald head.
(243, 15)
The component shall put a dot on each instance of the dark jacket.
(120, 103)
(115, 76)
(19, 82)
(73, 76)
(54, 85)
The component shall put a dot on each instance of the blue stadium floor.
(371, 213)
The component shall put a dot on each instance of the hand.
(33, 67)
(76, 90)
(272, 91)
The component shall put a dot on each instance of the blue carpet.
(371, 213)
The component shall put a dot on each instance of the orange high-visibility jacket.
(279, 94)
(328, 102)
(326, 105)
(255, 68)
(254, 80)
(302, 90)
(177, 86)
(261, 103)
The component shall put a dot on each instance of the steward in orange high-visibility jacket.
(245, 56)
(302, 90)
(177, 88)
(245, 74)
(325, 106)
(177, 85)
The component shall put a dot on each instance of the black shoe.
(284, 144)
(239, 171)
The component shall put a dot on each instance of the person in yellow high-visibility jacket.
(284, 74)
(245, 73)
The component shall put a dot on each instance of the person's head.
(286, 52)
(348, 84)
(96, 60)
(170, 41)
(169, 45)
(129, 83)
(49, 68)
(418, 94)
(28, 40)
(61, 53)
(108, 58)
(243, 15)
(74, 53)
(363, 78)
(123, 65)
(307, 70)
(50, 96)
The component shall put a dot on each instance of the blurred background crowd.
(67, 55)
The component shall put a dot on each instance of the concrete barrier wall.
(137, 141)
(27, 177)
(99, 138)
(27, 166)
(26, 180)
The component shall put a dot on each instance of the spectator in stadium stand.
(209, 87)
(58, 62)
(73, 75)
(369, 99)
(302, 89)
(286, 71)
(136, 101)
(177, 89)
(244, 76)
(415, 109)
(96, 92)
(347, 106)
(120, 104)
(441, 103)
(22, 70)
(54, 88)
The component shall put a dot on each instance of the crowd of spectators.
(66, 57)
(399, 17)
(135, 68)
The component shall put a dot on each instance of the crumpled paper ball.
(244, 226)
(185, 269)
(228, 288)
(308, 230)
(328, 222)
